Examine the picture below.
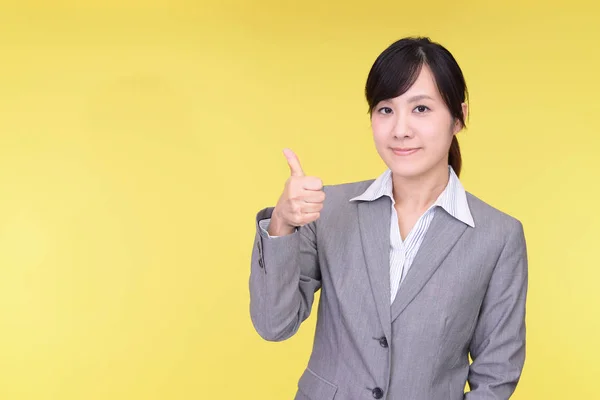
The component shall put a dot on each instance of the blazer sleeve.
(498, 344)
(284, 275)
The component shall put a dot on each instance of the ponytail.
(454, 157)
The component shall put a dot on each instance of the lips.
(404, 151)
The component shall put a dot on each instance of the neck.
(419, 193)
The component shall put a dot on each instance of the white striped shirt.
(402, 253)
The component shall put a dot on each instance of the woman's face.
(413, 132)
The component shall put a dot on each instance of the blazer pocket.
(315, 387)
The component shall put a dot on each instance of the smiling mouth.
(399, 151)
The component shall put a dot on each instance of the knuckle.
(295, 208)
(292, 189)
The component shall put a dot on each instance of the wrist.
(277, 227)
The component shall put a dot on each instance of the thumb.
(293, 162)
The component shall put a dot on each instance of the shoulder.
(337, 206)
(343, 192)
(491, 219)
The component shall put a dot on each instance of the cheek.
(435, 135)
(380, 132)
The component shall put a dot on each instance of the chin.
(408, 173)
(407, 168)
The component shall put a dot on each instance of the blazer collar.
(453, 199)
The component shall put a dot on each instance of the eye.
(421, 109)
(385, 110)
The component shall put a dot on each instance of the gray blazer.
(465, 293)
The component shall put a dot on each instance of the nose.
(401, 127)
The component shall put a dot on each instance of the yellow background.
(139, 139)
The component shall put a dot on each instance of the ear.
(457, 125)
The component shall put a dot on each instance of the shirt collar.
(453, 199)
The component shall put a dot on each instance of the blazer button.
(377, 393)
(260, 263)
(383, 342)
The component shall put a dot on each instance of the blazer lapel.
(374, 221)
(442, 235)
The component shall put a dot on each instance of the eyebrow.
(420, 97)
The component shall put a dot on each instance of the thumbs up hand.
(301, 201)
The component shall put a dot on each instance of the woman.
(415, 273)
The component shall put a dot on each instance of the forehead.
(423, 85)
